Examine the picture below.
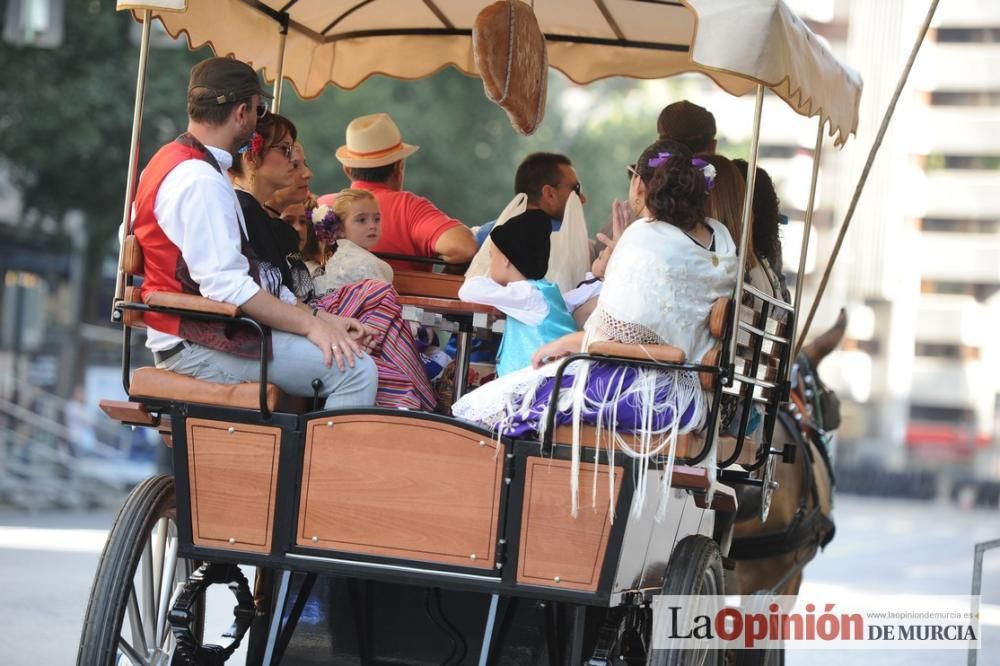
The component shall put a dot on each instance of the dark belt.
(161, 357)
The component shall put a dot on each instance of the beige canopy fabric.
(738, 43)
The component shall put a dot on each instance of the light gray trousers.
(296, 362)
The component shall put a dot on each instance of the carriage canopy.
(738, 43)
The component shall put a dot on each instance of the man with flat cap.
(193, 236)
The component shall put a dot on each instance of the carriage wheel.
(138, 576)
(768, 486)
(773, 656)
(695, 568)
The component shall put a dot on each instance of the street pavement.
(47, 561)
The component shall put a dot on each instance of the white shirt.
(197, 209)
(520, 300)
(576, 297)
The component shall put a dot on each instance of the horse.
(770, 556)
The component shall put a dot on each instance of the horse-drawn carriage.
(435, 540)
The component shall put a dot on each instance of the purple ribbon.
(707, 169)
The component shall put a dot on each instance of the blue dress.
(521, 341)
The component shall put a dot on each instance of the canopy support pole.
(133, 157)
(745, 222)
(804, 251)
(864, 172)
(278, 81)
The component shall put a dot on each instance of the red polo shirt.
(411, 224)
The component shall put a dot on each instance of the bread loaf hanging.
(510, 52)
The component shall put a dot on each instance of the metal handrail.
(243, 321)
(550, 413)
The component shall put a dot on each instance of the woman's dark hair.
(273, 129)
(766, 216)
(675, 190)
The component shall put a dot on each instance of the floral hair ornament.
(255, 145)
(326, 223)
(706, 169)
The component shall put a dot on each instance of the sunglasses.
(632, 170)
(285, 149)
(576, 187)
(261, 110)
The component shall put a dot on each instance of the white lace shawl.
(350, 263)
(660, 285)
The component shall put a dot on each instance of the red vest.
(164, 267)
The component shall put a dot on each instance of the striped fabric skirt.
(402, 381)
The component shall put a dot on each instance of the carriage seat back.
(431, 285)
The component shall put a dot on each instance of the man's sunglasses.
(261, 110)
(576, 187)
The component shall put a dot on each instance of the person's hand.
(366, 336)
(551, 351)
(332, 334)
(621, 218)
(600, 264)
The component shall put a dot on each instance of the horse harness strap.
(807, 527)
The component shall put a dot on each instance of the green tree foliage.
(66, 115)
(65, 120)
(469, 151)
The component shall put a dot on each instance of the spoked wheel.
(138, 576)
(695, 568)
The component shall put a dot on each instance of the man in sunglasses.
(189, 225)
(547, 179)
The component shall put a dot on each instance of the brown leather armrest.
(718, 316)
(660, 353)
(172, 299)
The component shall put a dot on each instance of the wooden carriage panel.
(423, 283)
(557, 550)
(233, 472)
(398, 486)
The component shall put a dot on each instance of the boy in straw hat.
(374, 159)
(536, 312)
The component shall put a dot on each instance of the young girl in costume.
(536, 312)
(346, 231)
(262, 170)
(667, 270)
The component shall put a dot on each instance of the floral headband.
(326, 223)
(255, 145)
(706, 169)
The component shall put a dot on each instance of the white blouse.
(349, 264)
